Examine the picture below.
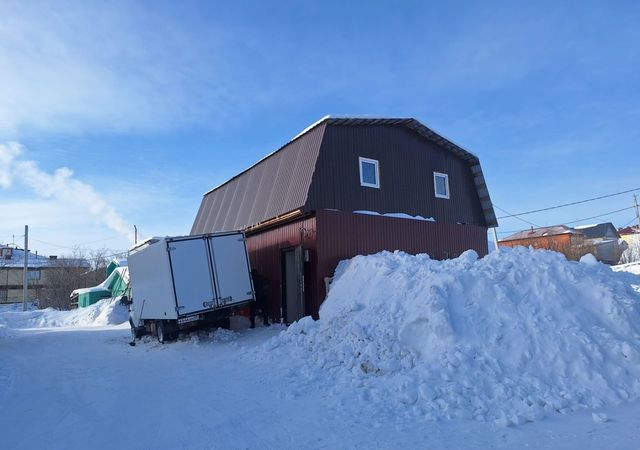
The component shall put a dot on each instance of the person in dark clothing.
(260, 286)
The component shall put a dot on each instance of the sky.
(121, 113)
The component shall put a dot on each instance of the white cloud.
(103, 67)
(8, 152)
(62, 186)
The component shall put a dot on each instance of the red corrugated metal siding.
(342, 235)
(265, 250)
(332, 236)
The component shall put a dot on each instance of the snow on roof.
(35, 261)
(396, 215)
(148, 241)
(534, 233)
(105, 286)
(599, 230)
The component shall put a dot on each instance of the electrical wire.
(514, 216)
(565, 204)
(79, 246)
(630, 222)
(600, 215)
(85, 258)
(581, 220)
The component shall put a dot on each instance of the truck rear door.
(191, 269)
(231, 268)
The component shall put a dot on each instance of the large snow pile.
(507, 338)
(104, 312)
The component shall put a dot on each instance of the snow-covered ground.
(345, 381)
(631, 268)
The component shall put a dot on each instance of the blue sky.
(150, 104)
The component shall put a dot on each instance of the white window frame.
(435, 184)
(377, 166)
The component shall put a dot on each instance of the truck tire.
(161, 332)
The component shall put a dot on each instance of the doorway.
(293, 284)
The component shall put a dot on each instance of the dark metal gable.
(472, 160)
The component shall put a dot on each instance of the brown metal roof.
(280, 182)
(534, 233)
(275, 185)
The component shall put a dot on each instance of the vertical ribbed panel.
(407, 161)
(265, 252)
(332, 236)
(274, 186)
(344, 235)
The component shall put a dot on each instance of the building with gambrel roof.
(349, 186)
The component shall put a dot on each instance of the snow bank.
(104, 312)
(631, 268)
(506, 338)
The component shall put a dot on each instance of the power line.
(600, 215)
(514, 216)
(79, 246)
(581, 220)
(629, 222)
(85, 258)
(52, 244)
(565, 204)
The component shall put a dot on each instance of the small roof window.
(441, 184)
(369, 173)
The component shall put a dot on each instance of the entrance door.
(293, 284)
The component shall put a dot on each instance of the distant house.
(602, 240)
(560, 238)
(344, 187)
(41, 271)
(605, 239)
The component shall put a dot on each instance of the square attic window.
(441, 184)
(369, 173)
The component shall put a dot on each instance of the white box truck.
(176, 281)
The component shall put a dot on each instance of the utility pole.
(635, 201)
(495, 238)
(25, 291)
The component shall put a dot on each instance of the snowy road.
(86, 388)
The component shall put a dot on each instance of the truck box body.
(176, 278)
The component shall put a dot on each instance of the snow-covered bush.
(632, 253)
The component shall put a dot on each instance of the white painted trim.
(377, 166)
(435, 185)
